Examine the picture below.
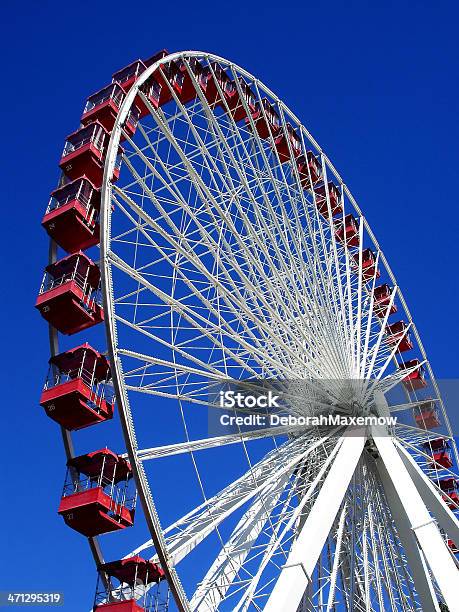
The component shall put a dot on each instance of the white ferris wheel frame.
(410, 494)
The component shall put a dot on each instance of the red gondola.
(450, 487)
(281, 144)
(134, 576)
(97, 498)
(266, 119)
(235, 103)
(170, 80)
(416, 379)
(335, 199)
(452, 546)
(309, 171)
(159, 55)
(382, 296)
(104, 106)
(130, 124)
(369, 270)
(128, 75)
(397, 335)
(84, 154)
(157, 87)
(211, 75)
(69, 295)
(439, 449)
(348, 231)
(75, 390)
(152, 91)
(426, 415)
(72, 216)
(188, 89)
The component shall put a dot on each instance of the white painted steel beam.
(417, 566)
(296, 573)
(421, 523)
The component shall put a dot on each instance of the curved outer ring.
(145, 495)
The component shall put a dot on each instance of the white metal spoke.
(206, 443)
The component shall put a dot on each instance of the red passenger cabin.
(335, 199)
(159, 55)
(416, 378)
(97, 496)
(266, 119)
(426, 415)
(347, 232)
(128, 75)
(125, 585)
(439, 449)
(369, 270)
(72, 216)
(170, 80)
(449, 486)
(282, 142)
(191, 71)
(69, 295)
(158, 87)
(382, 296)
(452, 546)
(84, 154)
(104, 106)
(235, 101)
(129, 125)
(211, 75)
(152, 91)
(75, 390)
(309, 170)
(397, 335)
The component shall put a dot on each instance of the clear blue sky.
(375, 83)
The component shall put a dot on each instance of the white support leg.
(425, 530)
(296, 574)
(414, 556)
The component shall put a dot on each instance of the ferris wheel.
(231, 252)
